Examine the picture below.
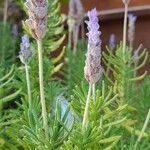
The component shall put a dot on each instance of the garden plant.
(60, 90)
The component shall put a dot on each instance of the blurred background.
(111, 18)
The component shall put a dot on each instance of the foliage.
(116, 115)
(8, 45)
(142, 99)
(123, 71)
(104, 118)
(30, 133)
(7, 114)
(7, 94)
(73, 72)
(124, 77)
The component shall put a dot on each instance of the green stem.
(131, 45)
(83, 31)
(14, 48)
(86, 111)
(5, 12)
(135, 71)
(94, 92)
(125, 29)
(75, 38)
(143, 130)
(43, 104)
(69, 39)
(124, 50)
(28, 84)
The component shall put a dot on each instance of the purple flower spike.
(131, 28)
(93, 27)
(112, 41)
(15, 30)
(26, 51)
(93, 69)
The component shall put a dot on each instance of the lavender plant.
(122, 64)
(52, 90)
(8, 94)
(6, 90)
(53, 39)
(123, 69)
(93, 69)
(78, 111)
(37, 23)
(25, 56)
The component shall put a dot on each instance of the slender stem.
(75, 38)
(94, 92)
(4, 29)
(135, 72)
(14, 48)
(125, 29)
(124, 48)
(131, 45)
(83, 31)
(28, 84)
(143, 130)
(5, 12)
(43, 104)
(69, 39)
(86, 111)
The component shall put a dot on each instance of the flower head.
(26, 51)
(37, 22)
(93, 69)
(76, 12)
(126, 1)
(131, 27)
(15, 30)
(112, 41)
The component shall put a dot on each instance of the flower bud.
(93, 68)
(37, 22)
(112, 41)
(26, 51)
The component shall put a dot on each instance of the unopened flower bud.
(37, 22)
(112, 41)
(26, 51)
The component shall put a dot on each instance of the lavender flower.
(76, 11)
(26, 51)
(93, 69)
(37, 22)
(131, 28)
(15, 30)
(126, 1)
(112, 41)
